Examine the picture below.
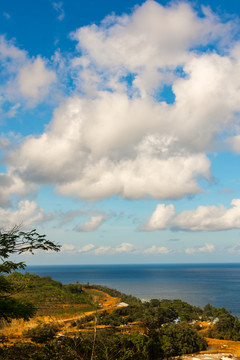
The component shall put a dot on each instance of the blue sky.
(120, 135)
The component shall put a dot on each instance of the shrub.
(42, 332)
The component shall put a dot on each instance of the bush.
(42, 333)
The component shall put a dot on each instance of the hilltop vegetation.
(51, 297)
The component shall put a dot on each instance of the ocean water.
(198, 284)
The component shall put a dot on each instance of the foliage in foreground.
(17, 242)
(170, 341)
(42, 333)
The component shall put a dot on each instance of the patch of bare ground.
(218, 349)
(226, 346)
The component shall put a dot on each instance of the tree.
(17, 242)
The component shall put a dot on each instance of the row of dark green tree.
(172, 340)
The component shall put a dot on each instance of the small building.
(122, 304)
(176, 320)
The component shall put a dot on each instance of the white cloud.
(87, 248)
(68, 248)
(27, 214)
(209, 218)
(73, 249)
(152, 37)
(24, 80)
(207, 99)
(10, 54)
(93, 223)
(11, 183)
(207, 248)
(34, 80)
(124, 248)
(124, 141)
(160, 218)
(157, 250)
(114, 153)
(129, 248)
(204, 218)
(142, 177)
(103, 250)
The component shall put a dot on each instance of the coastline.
(197, 284)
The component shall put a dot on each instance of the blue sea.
(198, 284)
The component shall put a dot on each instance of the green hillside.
(51, 297)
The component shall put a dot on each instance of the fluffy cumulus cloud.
(161, 217)
(13, 184)
(34, 80)
(210, 218)
(26, 215)
(204, 218)
(152, 38)
(24, 80)
(117, 134)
